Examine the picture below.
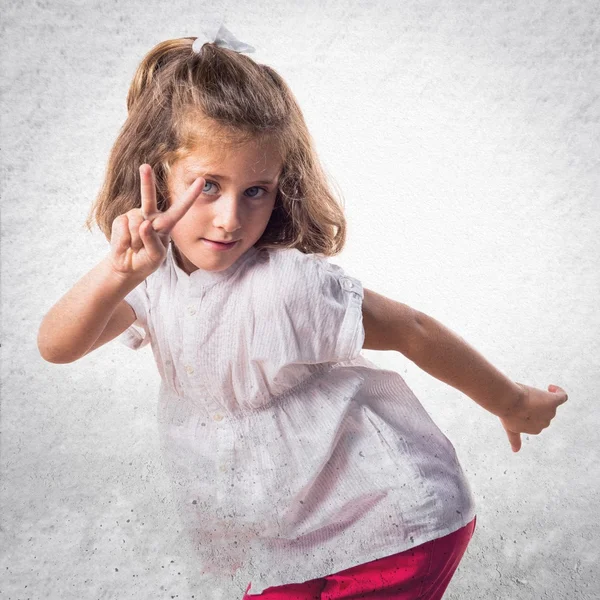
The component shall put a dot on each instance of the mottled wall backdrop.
(464, 137)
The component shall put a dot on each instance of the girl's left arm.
(443, 354)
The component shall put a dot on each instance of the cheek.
(186, 226)
(267, 210)
(269, 213)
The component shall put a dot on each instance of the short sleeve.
(137, 335)
(322, 312)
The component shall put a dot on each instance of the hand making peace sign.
(140, 237)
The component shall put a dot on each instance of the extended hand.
(141, 236)
(532, 413)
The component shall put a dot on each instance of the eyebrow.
(224, 178)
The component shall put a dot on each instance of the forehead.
(254, 156)
(201, 135)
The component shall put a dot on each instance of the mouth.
(219, 245)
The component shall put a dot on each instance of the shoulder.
(289, 266)
(311, 307)
(292, 258)
(294, 273)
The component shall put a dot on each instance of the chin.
(199, 256)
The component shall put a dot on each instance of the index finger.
(165, 221)
(513, 437)
(148, 189)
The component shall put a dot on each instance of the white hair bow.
(223, 38)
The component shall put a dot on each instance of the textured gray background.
(464, 136)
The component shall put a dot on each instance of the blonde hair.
(179, 99)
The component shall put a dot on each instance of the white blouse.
(291, 456)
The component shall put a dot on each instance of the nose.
(227, 212)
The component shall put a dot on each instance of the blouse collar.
(200, 278)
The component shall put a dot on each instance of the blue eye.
(205, 184)
(258, 188)
(252, 196)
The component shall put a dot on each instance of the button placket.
(192, 335)
(224, 453)
(191, 306)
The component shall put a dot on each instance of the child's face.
(236, 203)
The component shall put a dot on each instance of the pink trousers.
(422, 573)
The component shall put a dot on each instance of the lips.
(221, 241)
(219, 245)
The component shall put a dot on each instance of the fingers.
(135, 220)
(120, 239)
(153, 244)
(513, 438)
(563, 397)
(164, 222)
(148, 190)
(535, 415)
(130, 231)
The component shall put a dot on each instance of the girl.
(298, 465)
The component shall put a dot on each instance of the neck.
(181, 263)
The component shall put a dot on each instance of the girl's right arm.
(91, 310)
(94, 311)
